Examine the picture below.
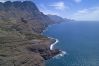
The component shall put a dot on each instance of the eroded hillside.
(21, 43)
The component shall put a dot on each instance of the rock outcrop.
(21, 43)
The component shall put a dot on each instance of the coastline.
(21, 41)
(62, 53)
(53, 44)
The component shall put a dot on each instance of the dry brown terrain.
(21, 42)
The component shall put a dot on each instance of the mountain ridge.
(58, 19)
(21, 42)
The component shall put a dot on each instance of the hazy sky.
(74, 9)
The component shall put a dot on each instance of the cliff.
(21, 43)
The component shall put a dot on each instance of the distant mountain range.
(58, 19)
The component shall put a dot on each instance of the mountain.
(55, 18)
(21, 41)
(69, 20)
(27, 11)
(58, 19)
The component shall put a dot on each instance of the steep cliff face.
(21, 43)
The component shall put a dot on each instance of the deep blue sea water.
(79, 39)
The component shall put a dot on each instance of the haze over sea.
(79, 39)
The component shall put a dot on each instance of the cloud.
(91, 14)
(46, 10)
(13, 0)
(58, 5)
(77, 1)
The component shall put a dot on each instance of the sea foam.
(53, 44)
(62, 53)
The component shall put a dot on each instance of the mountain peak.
(18, 4)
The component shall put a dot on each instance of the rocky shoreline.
(60, 53)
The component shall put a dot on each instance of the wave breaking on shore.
(53, 44)
(62, 53)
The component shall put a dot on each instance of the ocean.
(80, 41)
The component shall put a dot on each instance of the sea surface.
(79, 39)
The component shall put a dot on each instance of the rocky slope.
(21, 43)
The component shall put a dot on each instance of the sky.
(81, 10)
